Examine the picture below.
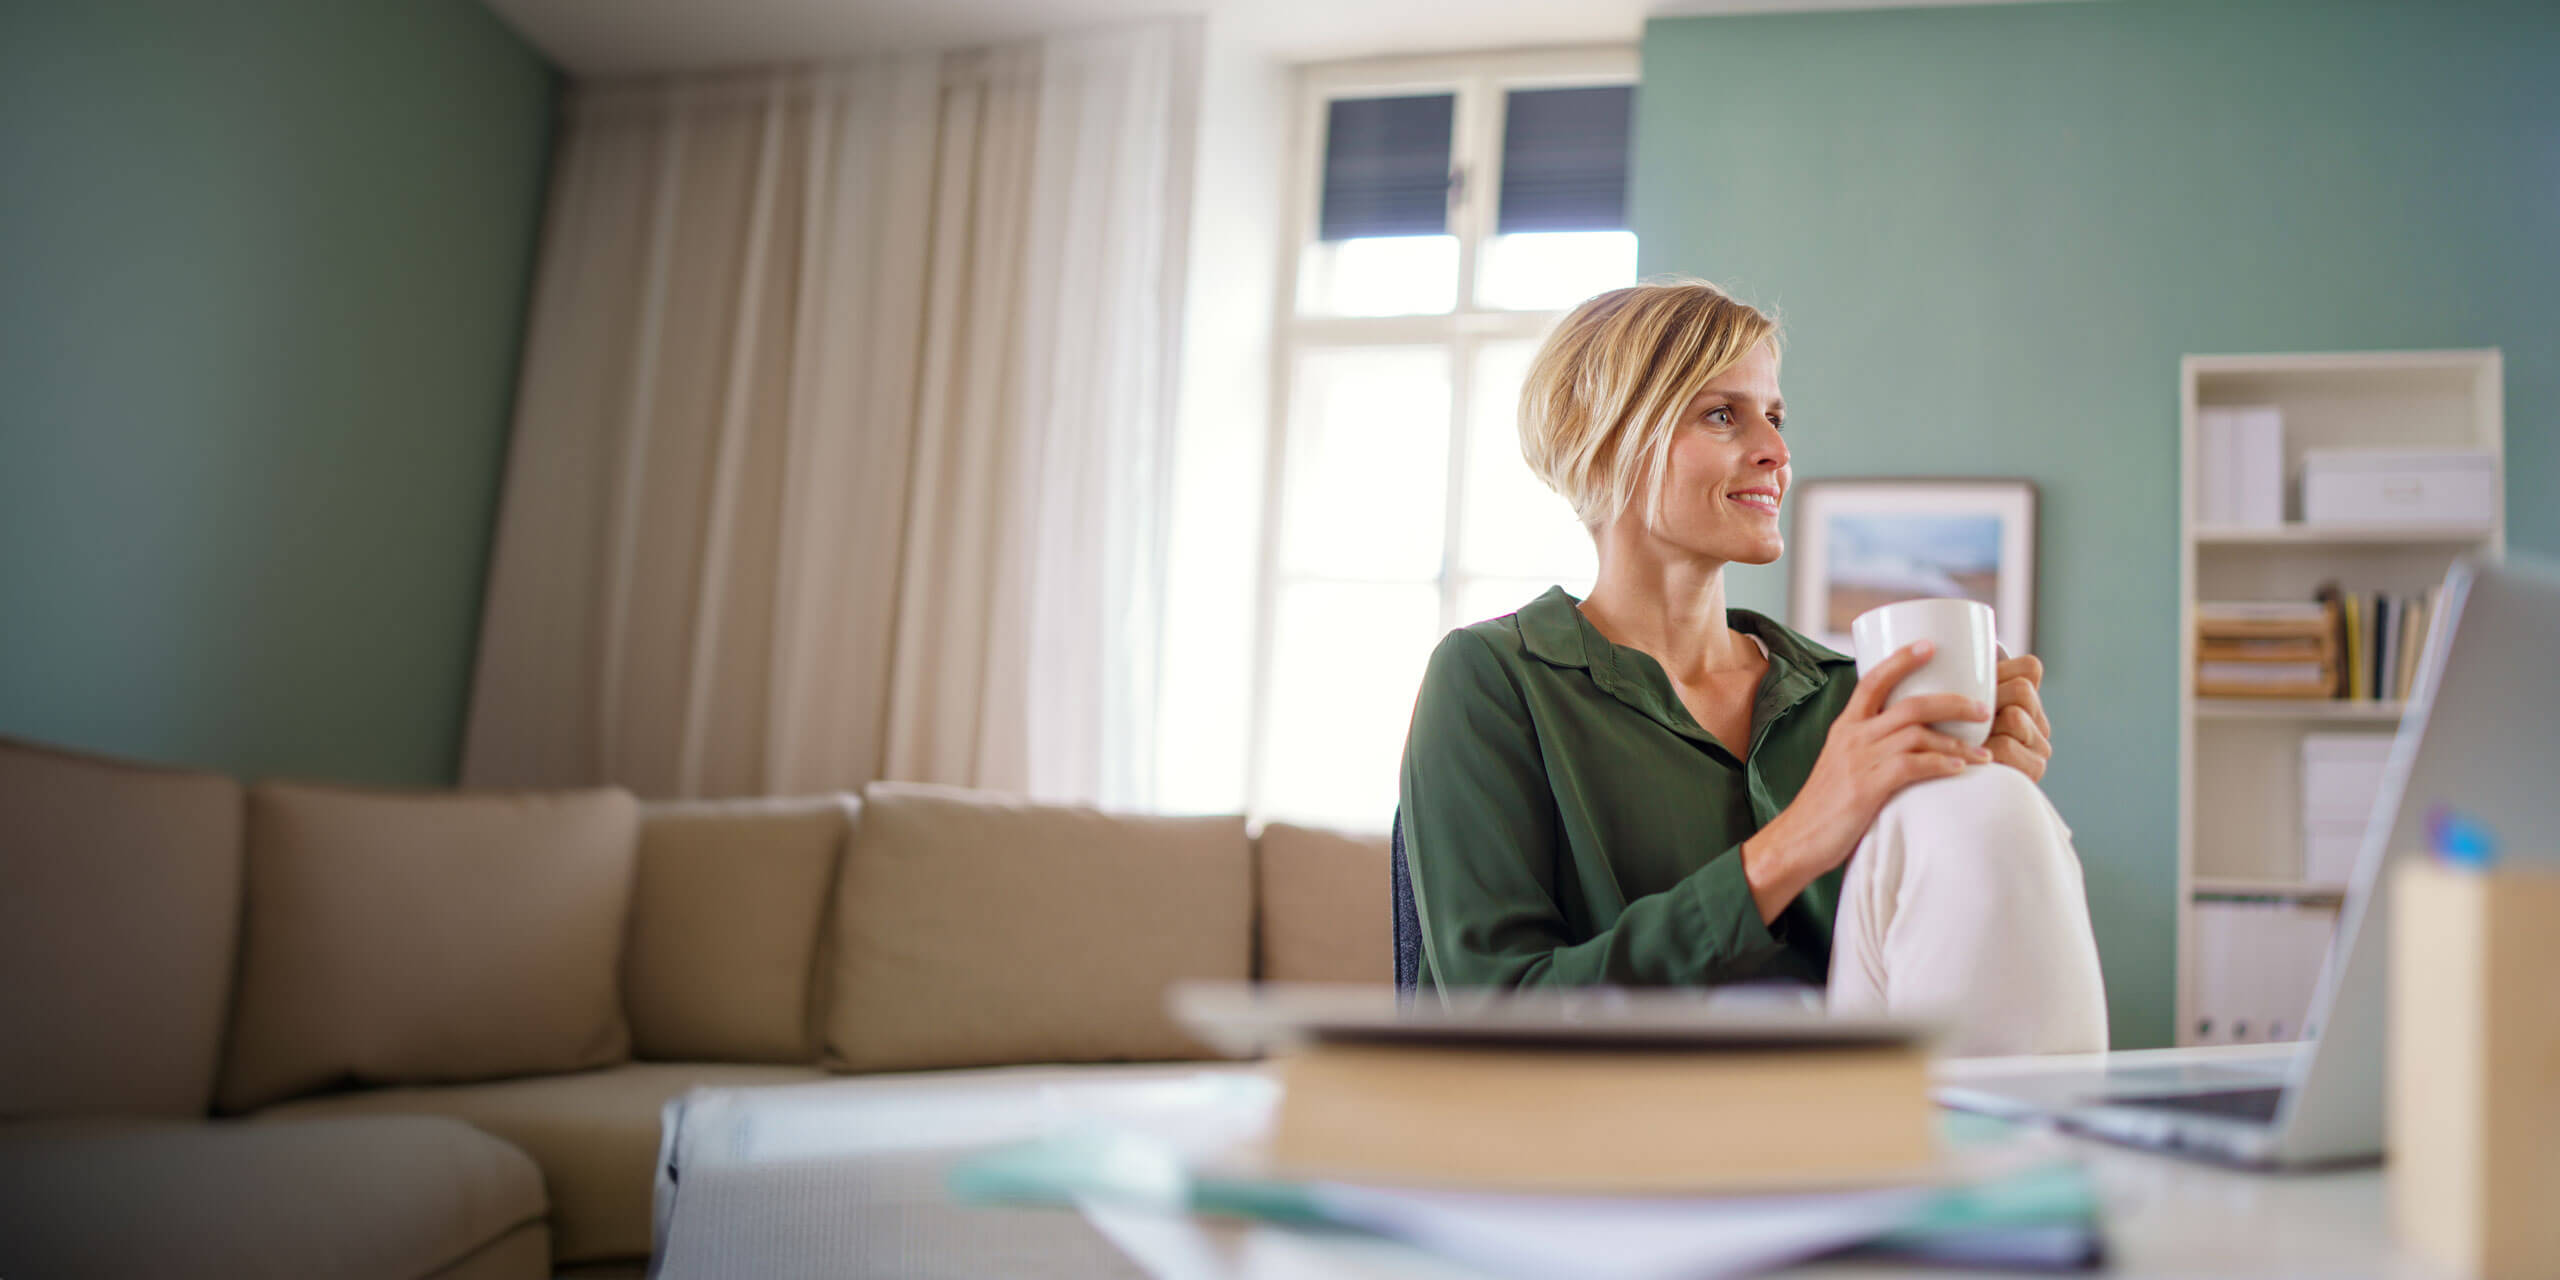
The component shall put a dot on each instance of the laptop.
(2482, 735)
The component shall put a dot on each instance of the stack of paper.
(2257, 967)
(2007, 1198)
(1604, 1133)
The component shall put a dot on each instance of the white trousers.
(1964, 902)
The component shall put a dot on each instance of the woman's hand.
(2021, 736)
(1871, 753)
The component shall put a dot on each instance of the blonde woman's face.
(1729, 467)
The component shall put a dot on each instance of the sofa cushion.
(1323, 910)
(396, 938)
(974, 929)
(595, 1135)
(117, 929)
(726, 905)
(389, 1196)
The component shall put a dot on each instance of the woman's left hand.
(2021, 736)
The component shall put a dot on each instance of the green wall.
(263, 270)
(1991, 232)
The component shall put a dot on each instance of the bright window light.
(1510, 524)
(1380, 276)
(1345, 664)
(1368, 464)
(1553, 270)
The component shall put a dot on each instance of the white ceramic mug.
(1967, 659)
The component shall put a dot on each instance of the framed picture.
(1858, 544)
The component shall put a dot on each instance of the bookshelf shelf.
(2331, 709)
(2243, 891)
(2296, 889)
(2340, 535)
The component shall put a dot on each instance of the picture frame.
(1860, 543)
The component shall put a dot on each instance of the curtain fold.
(841, 444)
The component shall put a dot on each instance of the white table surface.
(844, 1179)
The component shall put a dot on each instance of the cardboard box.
(2474, 1128)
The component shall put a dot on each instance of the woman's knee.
(1989, 811)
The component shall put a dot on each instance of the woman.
(1645, 787)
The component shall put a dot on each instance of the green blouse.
(1568, 822)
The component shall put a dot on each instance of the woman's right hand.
(1872, 752)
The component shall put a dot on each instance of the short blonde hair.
(1607, 388)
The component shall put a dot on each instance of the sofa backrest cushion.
(119, 914)
(726, 910)
(1323, 912)
(414, 938)
(974, 929)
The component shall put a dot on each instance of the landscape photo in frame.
(1860, 544)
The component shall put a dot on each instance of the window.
(1447, 213)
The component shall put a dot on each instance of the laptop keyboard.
(2235, 1104)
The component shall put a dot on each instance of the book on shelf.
(2354, 645)
(2265, 649)
(2413, 642)
(2263, 674)
(2387, 620)
(2251, 613)
(2286, 648)
(2385, 633)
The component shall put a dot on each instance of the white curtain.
(843, 442)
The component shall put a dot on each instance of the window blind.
(1386, 166)
(1564, 159)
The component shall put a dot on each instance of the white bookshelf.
(2240, 759)
(2352, 712)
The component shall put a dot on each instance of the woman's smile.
(1763, 501)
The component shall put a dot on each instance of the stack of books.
(2381, 636)
(2255, 649)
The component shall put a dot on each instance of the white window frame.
(1479, 82)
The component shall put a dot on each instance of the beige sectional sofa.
(289, 1029)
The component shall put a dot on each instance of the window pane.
(1380, 276)
(1368, 463)
(1564, 159)
(1553, 270)
(1510, 523)
(1347, 660)
(1482, 598)
(1386, 167)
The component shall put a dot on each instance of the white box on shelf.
(2257, 436)
(2341, 774)
(2400, 486)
